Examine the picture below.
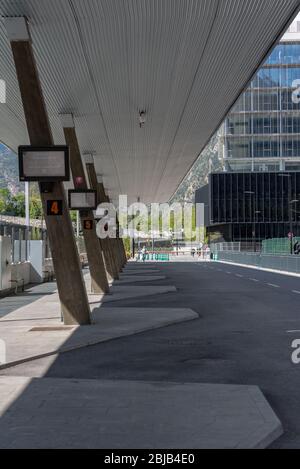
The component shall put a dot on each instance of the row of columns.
(106, 257)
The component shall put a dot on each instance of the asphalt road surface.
(248, 320)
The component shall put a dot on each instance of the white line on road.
(297, 292)
(229, 273)
(254, 280)
(272, 285)
(239, 275)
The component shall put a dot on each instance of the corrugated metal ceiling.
(183, 61)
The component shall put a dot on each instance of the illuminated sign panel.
(54, 208)
(44, 164)
(88, 225)
(83, 200)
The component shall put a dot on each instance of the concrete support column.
(99, 282)
(115, 242)
(110, 263)
(121, 248)
(71, 289)
(118, 254)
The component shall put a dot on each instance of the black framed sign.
(82, 199)
(44, 164)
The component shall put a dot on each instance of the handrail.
(10, 220)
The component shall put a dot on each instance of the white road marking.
(229, 273)
(239, 275)
(272, 285)
(297, 292)
(254, 280)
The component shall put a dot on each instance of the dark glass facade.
(268, 201)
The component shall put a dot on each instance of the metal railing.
(242, 246)
(16, 229)
(10, 220)
(285, 263)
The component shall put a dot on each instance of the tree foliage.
(10, 204)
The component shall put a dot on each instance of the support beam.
(122, 249)
(117, 241)
(99, 283)
(110, 263)
(71, 289)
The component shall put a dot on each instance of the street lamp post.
(289, 176)
(27, 219)
(252, 194)
(27, 204)
(290, 214)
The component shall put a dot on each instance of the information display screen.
(45, 164)
(82, 200)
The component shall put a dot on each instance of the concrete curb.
(264, 438)
(134, 414)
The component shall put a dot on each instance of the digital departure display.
(44, 164)
(82, 200)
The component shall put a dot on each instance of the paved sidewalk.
(36, 330)
(134, 278)
(68, 413)
(34, 337)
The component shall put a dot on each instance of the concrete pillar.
(121, 247)
(71, 289)
(99, 283)
(117, 242)
(110, 263)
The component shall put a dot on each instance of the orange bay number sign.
(54, 208)
(88, 225)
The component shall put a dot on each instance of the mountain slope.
(207, 162)
(9, 172)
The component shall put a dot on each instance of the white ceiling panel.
(183, 61)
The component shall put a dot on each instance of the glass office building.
(258, 194)
(262, 131)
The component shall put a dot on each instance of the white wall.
(20, 273)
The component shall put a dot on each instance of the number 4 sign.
(54, 208)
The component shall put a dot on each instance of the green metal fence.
(158, 257)
(278, 246)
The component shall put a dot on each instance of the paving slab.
(68, 413)
(31, 337)
(120, 292)
(140, 266)
(45, 312)
(140, 272)
(139, 278)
